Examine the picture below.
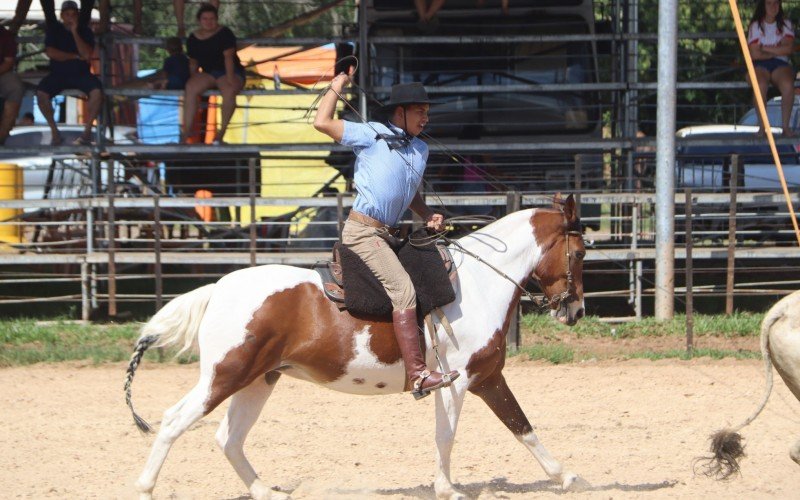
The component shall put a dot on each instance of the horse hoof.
(450, 493)
(575, 483)
(453, 494)
(258, 491)
(795, 453)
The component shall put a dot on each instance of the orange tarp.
(304, 67)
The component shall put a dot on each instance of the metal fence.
(123, 238)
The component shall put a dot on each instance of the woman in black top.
(212, 48)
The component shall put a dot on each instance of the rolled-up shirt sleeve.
(358, 135)
(788, 29)
(753, 34)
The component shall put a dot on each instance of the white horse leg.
(242, 413)
(176, 420)
(495, 393)
(448, 407)
(794, 452)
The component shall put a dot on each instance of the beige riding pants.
(371, 244)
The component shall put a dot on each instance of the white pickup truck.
(706, 165)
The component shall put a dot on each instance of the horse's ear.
(569, 209)
(557, 201)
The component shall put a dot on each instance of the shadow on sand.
(494, 489)
(498, 486)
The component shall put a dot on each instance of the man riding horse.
(390, 163)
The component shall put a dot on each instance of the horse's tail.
(726, 444)
(176, 323)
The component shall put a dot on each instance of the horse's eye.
(580, 255)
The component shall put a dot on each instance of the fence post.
(251, 174)
(92, 213)
(157, 244)
(635, 267)
(734, 185)
(339, 214)
(85, 308)
(689, 277)
(112, 242)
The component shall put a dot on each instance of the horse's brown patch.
(491, 358)
(272, 377)
(498, 397)
(358, 381)
(485, 369)
(380, 385)
(298, 327)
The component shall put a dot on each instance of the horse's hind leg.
(448, 407)
(495, 393)
(242, 413)
(176, 420)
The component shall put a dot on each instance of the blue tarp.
(158, 121)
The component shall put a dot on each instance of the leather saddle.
(332, 273)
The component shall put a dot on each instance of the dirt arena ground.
(631, 428)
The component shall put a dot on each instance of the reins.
(542, 302)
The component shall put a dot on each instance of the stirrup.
(420, 393)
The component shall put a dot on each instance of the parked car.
(67, 174)
(774, 114)
(707, 165)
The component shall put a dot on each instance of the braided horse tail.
(177, 323)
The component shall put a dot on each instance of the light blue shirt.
(386, 180)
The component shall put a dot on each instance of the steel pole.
(363, 56)
(665, 159)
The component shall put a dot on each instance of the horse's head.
(559, 270)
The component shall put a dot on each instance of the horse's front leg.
(448, 407)
(495, 393)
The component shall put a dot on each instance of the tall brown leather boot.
(423, 381)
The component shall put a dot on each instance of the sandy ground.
(630, 428)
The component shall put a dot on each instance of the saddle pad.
(364, 294)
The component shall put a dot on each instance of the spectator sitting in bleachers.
(212, 48)
(770, 39)
(69, 45)
(175, 72)
(11, 87)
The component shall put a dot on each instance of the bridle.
(569, 293)
(540, 301)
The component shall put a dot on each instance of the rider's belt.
(369, 221)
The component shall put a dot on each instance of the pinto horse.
(259, 323)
